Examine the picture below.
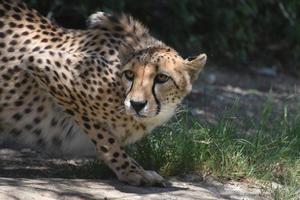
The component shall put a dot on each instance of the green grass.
(267, 151)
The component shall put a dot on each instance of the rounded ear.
(194, 65)
(98, 19)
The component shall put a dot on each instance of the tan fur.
(57, 83)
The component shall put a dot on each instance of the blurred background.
(236, 34)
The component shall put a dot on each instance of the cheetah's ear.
(98, 19)
(194, 65)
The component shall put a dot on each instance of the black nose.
(138, 105)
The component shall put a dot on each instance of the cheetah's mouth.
(142, 116)
(138, 115)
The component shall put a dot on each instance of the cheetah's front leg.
(125, 167)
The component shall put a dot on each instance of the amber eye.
(161, 78)
(129, 74)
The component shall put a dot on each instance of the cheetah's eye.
(129, 75)
(161, 78)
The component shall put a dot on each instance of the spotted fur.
(106, 86)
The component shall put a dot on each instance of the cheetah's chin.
(141, 117)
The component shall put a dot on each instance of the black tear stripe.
(132, 82)
(156, 100)
(175, 83)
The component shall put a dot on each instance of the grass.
(268, 151)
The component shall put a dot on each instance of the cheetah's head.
(156, 80)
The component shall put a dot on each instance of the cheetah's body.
(59, 85)
(29, 112)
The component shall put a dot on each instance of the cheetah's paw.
(145, 178)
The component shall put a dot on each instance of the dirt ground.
(31, 175)
(28, 175)
(220, 93)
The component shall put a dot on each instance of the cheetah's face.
(156, 81)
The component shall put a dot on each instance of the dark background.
(237, 34)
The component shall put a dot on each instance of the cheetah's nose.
(138, 105)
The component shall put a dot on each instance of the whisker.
(121, 109)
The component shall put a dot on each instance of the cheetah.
(108, 85)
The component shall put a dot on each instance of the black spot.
(25, 33)
(29, 26)
(84, 118)
(87, 126)
(31, 58)
(54, 122)
(2, 45)
(12, 24)
(37, 132)
(28, 126)
(40, 108)
(70, 112)
(111, 140)
(40, 61)
(27, 110)
(17, 10)
(17, 116)
(13, 42)
(133, 167)
(125, 165)
(100, 136)
(17, 17)
(10, 49)
(18, 103)
(111, 52)
(104, 149)
(23, 49)
(102, 41)
(36, 98)
(59, 86)
(6, 6)
(116, 154)
(27, 41)
(96, 126)
(2, 35)
(6, 77)
(36, 49)
(36, 120)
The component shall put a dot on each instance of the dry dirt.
(28, 175)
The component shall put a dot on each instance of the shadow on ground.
(30, 175)
(220, 93)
